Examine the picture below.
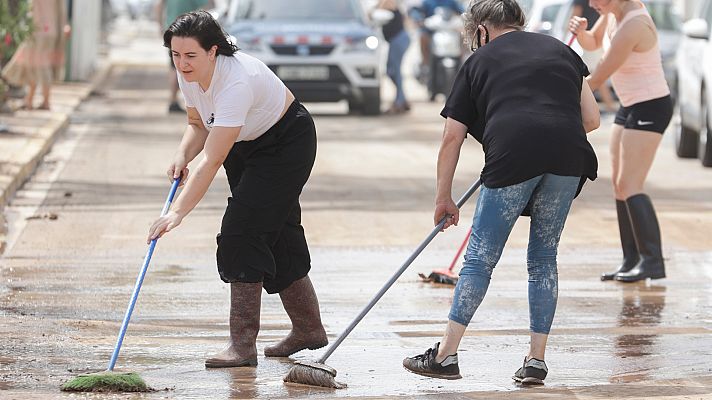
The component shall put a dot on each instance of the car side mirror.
(696, 28)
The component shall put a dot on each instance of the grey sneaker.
(425, 364)
(532, 372)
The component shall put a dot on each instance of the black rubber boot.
(647, 236)
(630, 250)
(245, 300)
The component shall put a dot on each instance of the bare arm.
(622, 45)
(217, 147)
(590, 114)
(194, 137)
(453, 137)
(589, 39)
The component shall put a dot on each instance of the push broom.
(320, 374)
(446, 276)
(110, 381)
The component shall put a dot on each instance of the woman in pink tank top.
(633, 63)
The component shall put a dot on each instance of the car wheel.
(686, 139)
(354, 106)
(705, 145)
(371, 101)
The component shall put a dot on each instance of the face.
(601, 6)
(193, 62)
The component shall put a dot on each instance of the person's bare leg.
(46, 88)
(537, 345)
(30, 96)
(615, 152)
(638, 150)
(450, 341)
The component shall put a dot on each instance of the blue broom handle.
(397, 275)
(139, 280)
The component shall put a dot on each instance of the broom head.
(313, 374)
(107, 381)
(444, 276)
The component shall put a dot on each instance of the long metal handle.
(395, 276)
(139, 281)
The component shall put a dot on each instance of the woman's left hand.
(163, 225)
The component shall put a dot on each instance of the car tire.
(686, 139)
(705, 139)
(371, 101)
(354, 106)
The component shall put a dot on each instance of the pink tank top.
(641, 77)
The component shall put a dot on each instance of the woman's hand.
(163, 225)
(446, 208)
(179, 169)
(578, 25)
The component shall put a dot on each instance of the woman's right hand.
(446, 209)
(578, 25)
(178, 169)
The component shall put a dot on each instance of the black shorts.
(652, 115)
(261, 238)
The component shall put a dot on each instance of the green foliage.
(107, 382)
(15, 26)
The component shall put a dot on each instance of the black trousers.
(261, 238)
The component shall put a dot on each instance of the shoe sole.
(430, 375)
(622, 279)
(231, 364)
(528, 381)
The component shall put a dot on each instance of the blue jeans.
(396, 49)
(549, 197)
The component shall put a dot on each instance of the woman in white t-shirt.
(245, 119)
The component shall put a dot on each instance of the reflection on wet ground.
(604, 333)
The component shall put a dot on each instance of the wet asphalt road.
(65, 282)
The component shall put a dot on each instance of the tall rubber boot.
(302, 306)
(647, 236)
(245, 299)
(630, 250)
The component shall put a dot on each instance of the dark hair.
(499, 14)
(201, 26)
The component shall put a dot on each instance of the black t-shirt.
(394, 26)
(589, 13)
(520, 96)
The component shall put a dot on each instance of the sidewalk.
(31, 134)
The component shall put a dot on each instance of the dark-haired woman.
(524, 97)
(245, 119)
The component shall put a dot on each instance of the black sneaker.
(532, 372)
(426, 365)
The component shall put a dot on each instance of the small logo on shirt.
(643, 123)
(210, 120)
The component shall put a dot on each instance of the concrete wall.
(84, 45)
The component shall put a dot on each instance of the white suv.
(694, 66)
(323, 50)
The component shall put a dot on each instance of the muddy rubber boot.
(302, 306)
(245, 299)
(647, 236)
(630, 250)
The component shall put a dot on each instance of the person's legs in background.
(173, 106)
(396, 49)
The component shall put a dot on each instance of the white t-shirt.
(243, 92)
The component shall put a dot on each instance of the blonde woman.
(632, 60)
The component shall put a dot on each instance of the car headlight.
(367, 44)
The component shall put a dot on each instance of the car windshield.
(663, 16)
(296, 9)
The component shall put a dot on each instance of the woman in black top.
(524, 97)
